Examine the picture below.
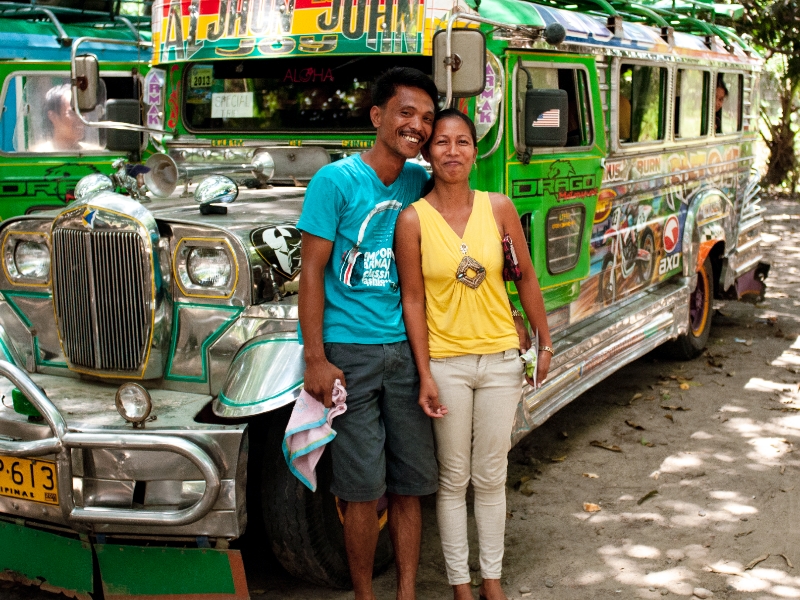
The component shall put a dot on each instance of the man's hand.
(320, 376)
(542, 367)
(524, 335)
(429, 398)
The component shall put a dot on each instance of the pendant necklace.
(470, 264)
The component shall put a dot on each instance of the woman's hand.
(523, 334)
(429, 398)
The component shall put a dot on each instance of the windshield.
(317, 94)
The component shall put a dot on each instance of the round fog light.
(133, 403)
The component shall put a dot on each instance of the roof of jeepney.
(39, 40)
(194, 29)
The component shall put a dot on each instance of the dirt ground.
(699, 490)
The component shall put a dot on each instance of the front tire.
(305, 528)
(693, 342)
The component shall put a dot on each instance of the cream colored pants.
(481, 393)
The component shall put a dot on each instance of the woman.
(458, 320)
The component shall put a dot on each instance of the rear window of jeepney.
(297, 94)
(568, 77)
(642, 95)
(564, 233)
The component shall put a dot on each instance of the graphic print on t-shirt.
(368, 264)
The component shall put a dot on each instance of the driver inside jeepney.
(65, 130)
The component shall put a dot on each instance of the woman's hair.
(453, 113)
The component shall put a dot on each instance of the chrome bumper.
(196, 472)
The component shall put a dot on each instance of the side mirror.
(468, 47)
(545, 117)
(123, 111)
(87, 79)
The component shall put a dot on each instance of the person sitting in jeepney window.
(62, 126)
(719, 100)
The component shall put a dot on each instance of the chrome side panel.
(591, 353)
(277, 359)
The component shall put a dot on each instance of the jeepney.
(38, 172)
(153, 345)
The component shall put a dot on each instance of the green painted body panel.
(31, 181)
(556, 179)
(149, 571)
(61, 562)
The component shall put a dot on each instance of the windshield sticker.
(232, 105)
(202, 77)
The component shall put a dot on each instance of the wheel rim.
(699, 304)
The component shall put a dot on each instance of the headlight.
(32, 259)
(26, 258)
(205, 267)
(133, 403)
(209, 267)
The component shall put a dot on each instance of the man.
(63, 126)
(719, 100)
(352, 329)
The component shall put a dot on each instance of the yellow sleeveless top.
(462, 320)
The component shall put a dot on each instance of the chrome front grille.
(101, 290)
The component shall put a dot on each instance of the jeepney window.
(564, 234)
(691, 103)
(575, 83)
(38, 117)
(642, 91)
(728, 103)
(320, 94)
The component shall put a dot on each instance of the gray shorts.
(384, 442)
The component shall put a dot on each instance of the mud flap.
(750, 286)
(51, 562)
(153, 573)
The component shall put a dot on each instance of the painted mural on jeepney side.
(218, 29)
(636, 238)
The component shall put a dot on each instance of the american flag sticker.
(549, 118)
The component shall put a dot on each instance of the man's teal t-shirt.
(348, 205)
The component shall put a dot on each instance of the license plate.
(29, 479)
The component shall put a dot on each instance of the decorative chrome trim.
(61, 442)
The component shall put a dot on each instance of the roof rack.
(67, 14)
(668, 15)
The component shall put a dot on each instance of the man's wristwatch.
(547, 349)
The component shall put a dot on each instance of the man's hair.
(454, 113)
(385, 86)
(54, 100)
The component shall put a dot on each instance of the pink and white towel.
(307, 432)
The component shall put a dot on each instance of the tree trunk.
(782, 156)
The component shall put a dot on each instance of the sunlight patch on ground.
(724, 458)
(680, 462)
(725, 495)
(590, 578)
(701, 435)
(792, 422)
(773, 581)
(768, 448)
(757, 384)
(733, 408)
